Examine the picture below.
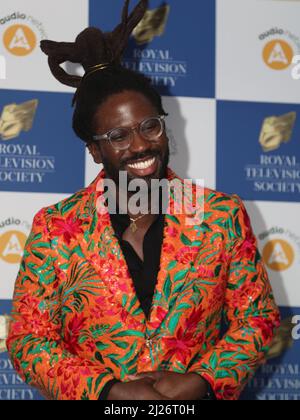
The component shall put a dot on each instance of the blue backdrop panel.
(243, 167)
(11, 385)
(183, 59)
(36, 160)
(279, 379)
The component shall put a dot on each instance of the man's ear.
(94, 150)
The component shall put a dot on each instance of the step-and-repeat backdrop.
(230, 77)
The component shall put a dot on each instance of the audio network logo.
(279, 49)
(19, 40)
(281, 249)
(21, 33)
(278, 54)
(13, 239)
(278, 255)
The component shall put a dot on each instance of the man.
(130, 306)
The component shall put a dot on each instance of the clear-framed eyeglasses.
(150, 129)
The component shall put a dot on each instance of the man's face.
(128, 109)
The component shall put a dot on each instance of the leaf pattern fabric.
(77, 322)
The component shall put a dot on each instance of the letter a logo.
(11, 246)
(278, 255)
(278, 54)
(19, 40)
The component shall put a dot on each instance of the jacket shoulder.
(228, 212)
(74, 204)
(213, 199)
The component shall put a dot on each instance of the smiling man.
(144, 154)
(129, 306)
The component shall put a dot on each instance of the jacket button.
(148, 342)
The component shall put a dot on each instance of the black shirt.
(143, 273)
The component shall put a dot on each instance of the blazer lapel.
(181, 245)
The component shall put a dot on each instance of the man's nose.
(138, 143)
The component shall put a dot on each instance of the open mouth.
(142, 165)
(145, 167)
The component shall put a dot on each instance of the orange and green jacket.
(77, 322)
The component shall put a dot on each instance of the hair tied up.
(92, 47)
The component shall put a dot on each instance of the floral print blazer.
(77, 322)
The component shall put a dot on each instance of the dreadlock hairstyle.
(100, 54)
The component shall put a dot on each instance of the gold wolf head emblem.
(277, 130)
(283, 339)
(4, 324)
(15, 118)
(153, 24)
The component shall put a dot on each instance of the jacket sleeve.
(34, 342)
(250, 312)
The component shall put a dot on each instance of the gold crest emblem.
(16, 118)
(283, 339)
(277, 130)
(153, 24)
(4, 324)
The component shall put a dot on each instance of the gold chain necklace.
(133, 226)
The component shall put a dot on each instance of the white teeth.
(142, 165)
